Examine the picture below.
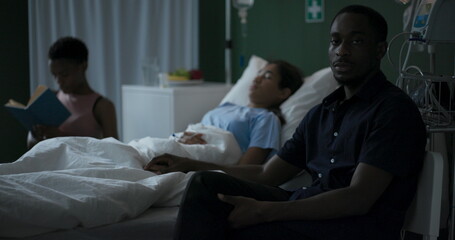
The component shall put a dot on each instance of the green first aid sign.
(314, 11)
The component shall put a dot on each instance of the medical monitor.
(434, 21)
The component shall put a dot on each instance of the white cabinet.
(159, 112)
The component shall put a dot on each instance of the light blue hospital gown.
(251, 127)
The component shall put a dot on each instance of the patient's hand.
(192, 138)
(168, 163)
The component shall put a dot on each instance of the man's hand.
(168, 163)
(246, 212)
(192, 138)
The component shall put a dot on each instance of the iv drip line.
(244, 33)
(243, 6)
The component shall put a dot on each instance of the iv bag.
(243, 6)
(243, 3)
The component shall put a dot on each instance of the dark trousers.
(203, 216)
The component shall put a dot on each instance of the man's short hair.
(376, 20)
(69, 48)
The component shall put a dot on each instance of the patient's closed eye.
(265, 74)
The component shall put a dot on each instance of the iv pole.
(228, 44)
(242, 6)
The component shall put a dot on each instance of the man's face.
(354, 51)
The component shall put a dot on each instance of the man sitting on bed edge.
(363, 145)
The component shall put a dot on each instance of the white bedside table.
(159, 112)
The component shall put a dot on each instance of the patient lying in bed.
(257, 126)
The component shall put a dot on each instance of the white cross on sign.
(314, 11)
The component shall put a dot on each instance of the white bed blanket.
(70, 182)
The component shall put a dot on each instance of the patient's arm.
(253, 155)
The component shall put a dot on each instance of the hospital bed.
(127, 203)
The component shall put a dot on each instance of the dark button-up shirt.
(379, 126)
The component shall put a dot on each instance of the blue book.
(43, 108)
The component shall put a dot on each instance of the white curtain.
(119, 35)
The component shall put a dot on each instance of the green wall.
(211, 39)
(14, 74)
(277, 30)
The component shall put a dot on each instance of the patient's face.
(353, 49)
(68, 74)
(265, 91)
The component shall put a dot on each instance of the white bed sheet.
(156, 223)
(71, 182)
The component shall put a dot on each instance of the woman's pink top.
(82, 121)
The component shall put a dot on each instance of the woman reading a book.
(92, 115)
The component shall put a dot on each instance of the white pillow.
(313, 90)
